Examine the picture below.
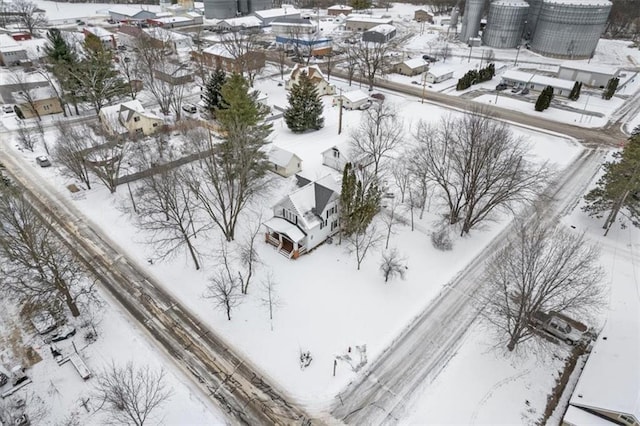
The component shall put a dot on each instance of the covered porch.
(286, 237)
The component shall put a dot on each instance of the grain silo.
(570, 29)
(220, 9)
(532, 18)
(455, 13)
(471, 19)
(505, 23)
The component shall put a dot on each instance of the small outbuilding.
(521, 79)
(422, 15)
(365, 22)
(316, 77)
(283, 162)
(411, 67)
(354, 99)
(379, 34)
(438, 75)
(339, 9)
(593, 75)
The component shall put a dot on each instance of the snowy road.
(382, 394)
(234, 384)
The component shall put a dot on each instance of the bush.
(441, 239)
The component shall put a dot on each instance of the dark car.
(63, 333)
(525, 91)
(43, 161)
(429, 58)
(501, 87)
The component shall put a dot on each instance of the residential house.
(33, 99)
(240, 23)
(438, 75)
(122, 13)
(340, 154)
(130, 117)
(270, 15)
(162, 38)
(107, 38)
(537, 82)
(305, 218)
(354, 99)
(283, 162)
(11, 52)
(608, 390)
(300, 35)
(365, 22)
(593, 75)
(422, 15)
(218, 56)
(379, 34)
(174, 73)
(339, 9)
(315, 75)
(411, 67)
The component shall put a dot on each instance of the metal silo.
(455, 14)
(220, 9)
(505, 23)
(532, 17)
(256, 5)
(471, 19)
(570, 29)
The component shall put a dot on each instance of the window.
(155, 124)
(627, 419)
(139, 131)
(136, 119)
(336, 153)
(334, 225)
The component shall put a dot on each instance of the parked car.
(429, 58)
(189, 108)
(524, 91)
(43, 161)
(7, 109)
(558, 326)
(501, 87)
(365, 106)
(63, 333)
(515, 90)
(415, 82)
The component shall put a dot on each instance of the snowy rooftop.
(243, 21)
(8, 44)
(415, 63)
(339, 7)
(595, 68)
(383, 29)
(99, 32)
(272, 13)
(313, 71)
(127, 10)
(581, 2)
(438, 71)
(173, 19)
(36, 94)
(280, 157)
(159, 33)
(311, 199)
(369, 19)
(526, 77)
(218, 50)
(355, 96)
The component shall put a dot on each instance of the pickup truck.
(559, 326)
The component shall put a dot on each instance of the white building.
(537, 82)
(438, 75)
(171, 39)
(316, 77)
(283, 162)
(365, 22)
(269, 15)
(593, 75)
(352, 100)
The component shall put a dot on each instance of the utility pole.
(424, 85)
(340, 113)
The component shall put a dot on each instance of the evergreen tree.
(63, 60)
(610, 90)
(212, 93)
(305, 107)
(358, 205)
(360, 4)
(619, 187)
(549, 96)
(575, 92)
(541, 101)
(57, 50)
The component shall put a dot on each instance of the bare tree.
(224, 291)
(270, 297)
(392, 265)
(281, 59)
(131, 394)
(245, 50)
(371, 58)
(379, 133)
(543, 268)
(418, 179)
(26, 137)
(71, 150)
(390, 219)
(150, 61)
(401, 174)
(167, 211)
(129, 70)
(248, 254)
(105, 160)
(37, 267)
(478, 166)
(359, 243)
(351, 64)
(31, 18)
(27, 92)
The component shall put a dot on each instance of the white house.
(412, 66)
(129, 117)
(240, 23)
(305, 218)
(339, 155)
(354, 99)
(438, 75)
(537, 82)
(283, 162)
(170, 39)
(593, 75)
(315, 75)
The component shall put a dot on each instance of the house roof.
(272, 13)
(440, 71)
(125, 111)
(98, 32)
(310, 200)
(129, 11)
(243, 21)
(8, 44)
(526, 77)
(415, 63)
(382, 29)
(219, 50)
(424, 11)
(355, 96)
(575, 416)
(593, 68)
(340, 7)
(283, 226)
(281, 157)
(369, 19)
(313, 72)
(172, 19)
(163, 34)
(293, 22)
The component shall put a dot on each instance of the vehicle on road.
(429, 58)
(524, 91)
(189, 108)
(7, 109)
(43, 161)
(558, 326)
(415, 82)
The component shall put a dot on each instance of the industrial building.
(567, 29)
(505, 23)
(224, 9)
(537, 82)
(588, 74)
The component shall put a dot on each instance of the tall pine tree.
(619, 187)
(610, 90)
(358, 205)
(212, 93)
(305, 106)
(575, 92)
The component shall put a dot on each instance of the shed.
(128, 13)
(283, 162)
(339, 9)
(413, 66)
(352, 100)
(593, 75)
(438, 75)
(422, 15)
(379, 34)
(363, 23)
